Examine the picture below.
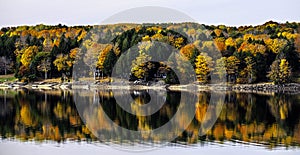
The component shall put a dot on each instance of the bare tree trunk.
(5, 71)
(46, 75)
(5, 68)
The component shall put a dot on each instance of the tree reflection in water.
(268, 120)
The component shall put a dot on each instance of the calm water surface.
(83, 120)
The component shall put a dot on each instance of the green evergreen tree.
(109, 63)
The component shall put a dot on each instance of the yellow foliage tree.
(140, 65)
(178, 42)
(102, 56)
(203, 67)
(28, 55)
(280, 71)
(62, 62)
(230, 42)
(232, 66)
(252, 48)
(74, 52)
(188, 51)
(218, 32)
(276, 45)
(220, 44)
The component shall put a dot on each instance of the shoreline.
(247, 88)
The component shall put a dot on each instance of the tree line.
(250, 54)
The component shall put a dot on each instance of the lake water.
(152, 121)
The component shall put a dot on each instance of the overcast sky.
(84, 12)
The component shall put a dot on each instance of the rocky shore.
(267, 87)
(35, 85)
(260, 88)
(249, 88)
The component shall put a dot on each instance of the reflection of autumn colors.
(260, 119)
(270, 120)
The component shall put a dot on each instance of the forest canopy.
(250, 54)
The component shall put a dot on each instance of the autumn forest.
(250, 54)
(267, 53)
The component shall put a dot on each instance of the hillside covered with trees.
(251, 54)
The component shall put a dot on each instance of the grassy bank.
(9, 77)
